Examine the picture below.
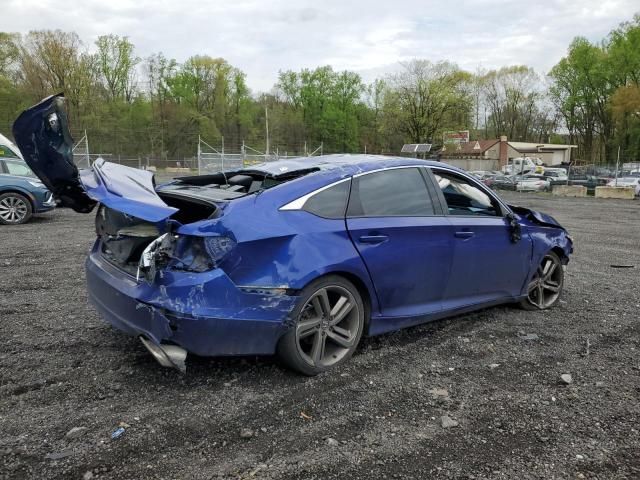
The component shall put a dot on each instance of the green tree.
(117, 66)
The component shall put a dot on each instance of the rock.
(529, 337)
(439, 392)
(76, 432)
(494, 365)
(87, 475)
(332, 442)
(448, 422)
(579, 457)
(246, 433)
(59, 455)
(566, 379)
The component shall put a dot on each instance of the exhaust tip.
(167, 355)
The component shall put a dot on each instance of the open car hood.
(42, 134)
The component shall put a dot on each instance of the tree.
(117, 66)
(9, 53)
(511, 95)
(425, 98)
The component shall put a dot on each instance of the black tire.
(335, 336)
(545, 289)
(14, 209)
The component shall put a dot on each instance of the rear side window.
(390, 193)
(329, 203)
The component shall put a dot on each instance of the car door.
(487, 265)
(395, 221)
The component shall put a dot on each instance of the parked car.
(504, 182)
(8, 148)
(532, 183)
(627, 182)
(556, 176)
(589, 181)
(297, 257)
(21, 193)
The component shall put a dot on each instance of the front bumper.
(204, 313)
(44, 201)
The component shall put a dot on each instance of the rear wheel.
(14, 209)
(546, 285)
(329, 320)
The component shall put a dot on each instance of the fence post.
(198, 154)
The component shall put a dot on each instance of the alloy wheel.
(13, 209)
(328, 326)
(546, 285)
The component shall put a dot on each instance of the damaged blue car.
(298, 258)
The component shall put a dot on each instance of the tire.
(14, 209)
(324, 334)
(545, 288)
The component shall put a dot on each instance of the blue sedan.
(297, 257)
(21, 193)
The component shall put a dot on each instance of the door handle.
(464, 234)
(373, 238)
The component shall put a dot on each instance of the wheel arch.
(564, 258)
(361, 287)
(21, 192)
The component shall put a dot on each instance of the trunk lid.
(42, 134)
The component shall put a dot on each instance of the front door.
(395, 222)
(486, 264)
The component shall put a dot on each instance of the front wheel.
(546, 285)
(328, 324)
(14, 209)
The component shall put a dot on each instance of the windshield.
(16, 167)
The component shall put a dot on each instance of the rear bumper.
(204, 313)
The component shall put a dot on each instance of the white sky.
(262, 37)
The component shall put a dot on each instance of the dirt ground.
(379, 416)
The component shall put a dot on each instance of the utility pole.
(223, 153)
(266, 124)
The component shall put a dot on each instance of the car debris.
(117, 433)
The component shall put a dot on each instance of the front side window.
(464, 198)
(390, 193)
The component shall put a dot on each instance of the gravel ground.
(379, 416)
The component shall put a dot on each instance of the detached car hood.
(42, 134)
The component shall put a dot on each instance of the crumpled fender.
(536, 217)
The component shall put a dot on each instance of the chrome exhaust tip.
(167, 355)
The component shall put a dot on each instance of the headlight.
(36, 183)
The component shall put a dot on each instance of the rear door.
(486, 264)
(395, 221)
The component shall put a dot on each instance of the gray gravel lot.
(379, 416)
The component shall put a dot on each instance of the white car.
(556, 175)
(627, 182)
(532, 183)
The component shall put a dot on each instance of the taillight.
(219, 247)
(190, 254)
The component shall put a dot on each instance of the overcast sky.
(264, 36)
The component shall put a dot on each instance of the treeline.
(157, 107)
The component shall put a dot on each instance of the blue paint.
(424, 268)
